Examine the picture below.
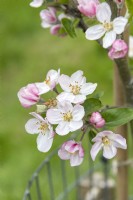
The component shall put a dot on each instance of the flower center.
(67, 116)
(47, 81)
(51, 103)
(105, 140)
(43, 127)
(108, 26)
(75, 88)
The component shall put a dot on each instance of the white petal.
(32, 126)
(43, 87)
(65, 96)
(119, 24)
(75, 160)
(64, 82)
(108, 39)
(94, 32)
(45, 24)
(95, 149)
(118, 141)
(36, 3)
(44, 143)
(109, 151)
(63, 128)
(53, 75)
(37, 116)
(78, 112)
(77, 76)
(54, 116)
(65, 106)
(79, 99)
(103, 13)
(75, 125)
(88, 88)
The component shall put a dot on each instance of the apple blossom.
(28, 95)
(106, 27)
(96, 120)
(75, 88)
(88, 7)
(67, 117)
(118, 50)
(50, 81)
(72, 151)
(109, 142)
(36, 3)
(48, 17)
(43, 128)
(130, 53)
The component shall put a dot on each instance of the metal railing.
(60, 181)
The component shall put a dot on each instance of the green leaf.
(117, 116)
(69, 27)
(129, 4)
(99, 95)
(92, 105)
(92, 134)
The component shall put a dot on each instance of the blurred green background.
(27, 53)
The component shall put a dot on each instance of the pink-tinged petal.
(79, 98)
(108, 39)
(71, 146)
(100, 124)
(63, 128)
(32, 126)
(43, 87)
(65, 96)
(75, 125)
(63, 154)
(95, 117)
(95, 32)
(37, 116)
(88, 8)
(119, 24)
(81, 151)
(36, 3)
(53, 75)
(43, 142)
(109, 151)
(103, 13)
(54, 116)
(64, 82)
(49, 15)
(88, 88)
(118, 141)
(78, 112)
(95, 149)
(75, 160)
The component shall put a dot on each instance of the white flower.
(130, 53)
(75, 88)
(44, 129)
(109, 142)
(67, 117)
(106, 26)
(49, 83)
(36, 3)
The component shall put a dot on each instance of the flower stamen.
(43, 127)
(105, 140)
(75, 89)
(67, 116)
(108, 26)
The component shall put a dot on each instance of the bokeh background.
(27, 53)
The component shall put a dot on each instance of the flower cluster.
(64, 114)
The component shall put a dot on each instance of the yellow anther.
(108, 26)
(67, 116)
(105, 140)
(75, 89)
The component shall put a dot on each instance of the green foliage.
(69, 27)
(129, 4)
(92, 134)
(92, 105)
(117, 116)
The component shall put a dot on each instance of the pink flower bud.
(72, 151)
(96, 120)
(28, 95)
(118, 50)
(54, 30)
(49, 15)
(88, 7)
